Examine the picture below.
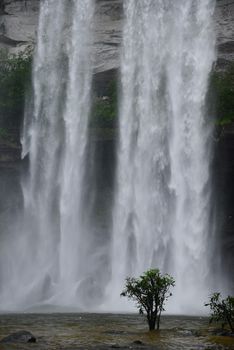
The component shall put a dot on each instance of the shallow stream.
(109, 331)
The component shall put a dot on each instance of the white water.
(48, 257)
(162, 209)
(161, 217)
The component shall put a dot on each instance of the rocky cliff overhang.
(19, 18)
(224, 20)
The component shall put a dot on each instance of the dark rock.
(10, 42)
(186, 333)
(223, 333)
(190, 332)
(227, 47)
(114, 332)
(138, 342)
(223, 173)
(19, 337)
(197, 334)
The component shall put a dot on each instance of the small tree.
(222, 310)
(150, 291)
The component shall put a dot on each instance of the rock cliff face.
(224, 20)
(223, 169)
(18, 27)
(224, 150)
(18, 23)
(108, 33)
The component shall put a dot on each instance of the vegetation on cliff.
(15, 78)
(222, 86)
(105, 108)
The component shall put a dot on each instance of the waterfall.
(161, 215)
(60, 250)
(48, 259)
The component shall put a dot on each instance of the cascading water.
(57, 254)
(162, 209)
(49, 259)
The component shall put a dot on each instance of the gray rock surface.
(19, 18)
(18, 23)
(18, 28)
(108, 34)
(19, 337)
(224, 20)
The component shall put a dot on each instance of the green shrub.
(150, 291)
(222, 310)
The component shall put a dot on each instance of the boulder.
(19, 337)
